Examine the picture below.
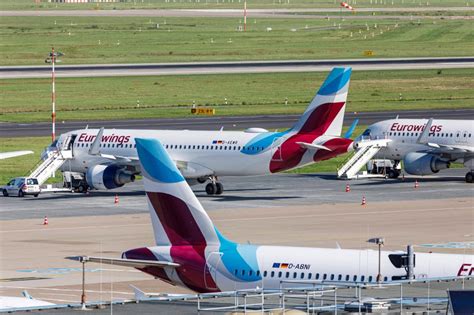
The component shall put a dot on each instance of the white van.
(22, 186)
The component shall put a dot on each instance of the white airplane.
(425, 146)
(107, 159)
(192, 253)
(7, 155)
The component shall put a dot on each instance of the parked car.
(22, 186)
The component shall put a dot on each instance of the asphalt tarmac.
(269, 122)
(156, 69)
(274, 191)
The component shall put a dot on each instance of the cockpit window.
(366, 133)
(54, 143)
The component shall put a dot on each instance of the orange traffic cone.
(116, 200)
(45, 221)
(363, 201)
(416, 184)
(348, 188)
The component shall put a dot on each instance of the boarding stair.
(366, 150)
(54, 160)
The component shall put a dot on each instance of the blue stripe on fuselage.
(239, 257)
(262, 142)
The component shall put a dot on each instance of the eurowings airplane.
(192, 253)
(106, 159)
(425, 146)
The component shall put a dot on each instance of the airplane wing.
(453, 151)
(7, 155)
(135, 263)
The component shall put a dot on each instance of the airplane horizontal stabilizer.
(312, 146)
(135, 263)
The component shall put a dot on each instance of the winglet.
(94, 149)
(351, 129)
(423, 138)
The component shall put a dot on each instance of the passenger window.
(294, 275)
(310, 275)
(272, 274)
(347, 277)
(243, 272)
(258, 273)
(332, 276)
(317, 276)
(250, 273)
(302, 275)
(370, 278)
(325, 276)
(339, 277)
(385, 279)
(265, 273)
(362, 278)
(235, 272)
(355, 278)
(279, 274)
(287, 275)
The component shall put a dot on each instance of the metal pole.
(53, 97)
(83, 296)
(379, 276)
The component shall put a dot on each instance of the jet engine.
(423, 163)
(108, 176)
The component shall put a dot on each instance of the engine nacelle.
(108, 176)
(423, 163)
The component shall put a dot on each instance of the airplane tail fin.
(325, 113)
(177, 216)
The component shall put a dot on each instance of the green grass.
(28, 100)
(22, 165)
(153, 4)
(91, 40)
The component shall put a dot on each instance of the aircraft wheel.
(21, 193)
(469, 177)
(393, 174)
(5, 193)
(219, 189)
(211, 188)
(36, 195)
(81, 188)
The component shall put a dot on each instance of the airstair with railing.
(54, 160)
(366, 150)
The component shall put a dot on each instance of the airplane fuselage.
(203, 153)
(404, 134)
(242, 266)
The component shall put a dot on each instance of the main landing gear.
(214, 187)
(470, 177)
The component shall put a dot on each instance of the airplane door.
(210, 270)
(276, 149)
(69, 143)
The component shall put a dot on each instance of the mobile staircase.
(366, 150)
(54, 160)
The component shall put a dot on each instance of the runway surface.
(262, 13)
(101, 70)
(269, 122)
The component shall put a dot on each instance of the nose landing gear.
(214, 187)
(470, 177)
